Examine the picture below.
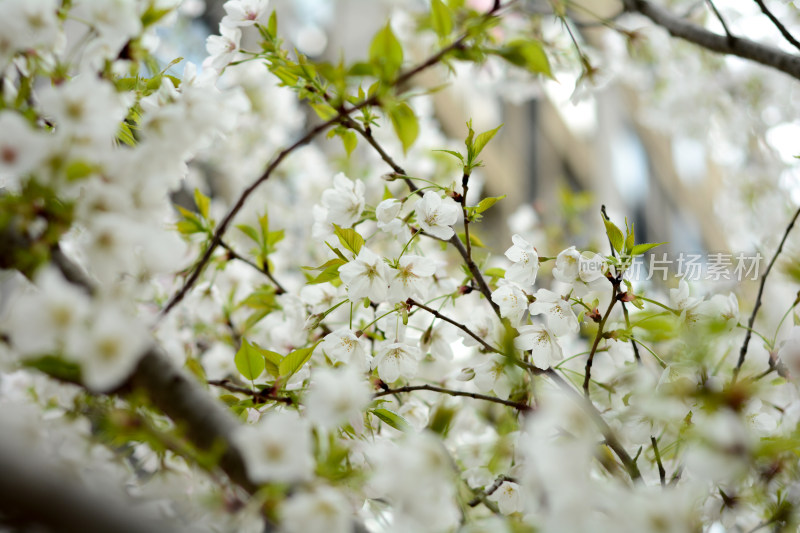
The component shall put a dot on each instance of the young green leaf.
(295, 361)
(250, 232)
(349, 238)
(249, 361)
(441, 18)
(483, 139)
(203, 203)
(453, 153)
(639, 249)
(486, 203)
(614, 235)
(386, 52)
(527, 54)
(392, 419)
(405, 124)
(350, 141)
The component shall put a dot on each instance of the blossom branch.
(610, 437)
(662, 474)
(737, 46)
(751, 321)
(778, 24)
(261, 395)
(588, 373)
(32, 492)
(721, 20)
(216, 239)
(459, 325)
(264, 270)
(491, 490)
(519, 406)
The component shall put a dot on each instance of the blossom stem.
(491, 490)
(264, 270)
(459, 325)
(519, 406)
(257, 395)
(757, 306)
(662, 474)
(588, 373)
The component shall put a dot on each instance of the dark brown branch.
(743, 350)
(588, 372)
(721, 20)
(738, 46)
(662, 474)
(411, 388)
(778, 24)
(260, 395)
(459, 325)
(265, 270)
(32, 492)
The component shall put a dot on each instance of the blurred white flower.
(277, 448)
(335, 396)
(323, 510)
(508, 498)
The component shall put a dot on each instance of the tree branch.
(260, 395)
(662, 474)
(757, 306)
(265, 270)
(33, 492)
(738, 46)
(781, 28)
(588, 373)
(519, 406)
(459, 325)
(491, 490)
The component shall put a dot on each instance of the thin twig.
(519, 406)
(721, 20)
(459, 325)
(588, 373)
(743, 351)
(491, 490)
(778, 24)
(265, 270)
(740, 47)
(662, 474)
(257, 395)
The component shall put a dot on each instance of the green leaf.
(483, 139)
(405, 124)
(440, 419)
(350, 141)
(272, 25)
(203, 203)
(249, 361)
(56, 367)
(295, 361)
(386, 52)
(486, 203)
(614, 235)
(250, 232)
(323, 111)
(527, 54)
(453, 153)
(272, 362)
(392, 419)
(441, 18)
(349, 238)
(495, 272)
(629, 241)
(125, 134)
(639, 249)
(330, 273)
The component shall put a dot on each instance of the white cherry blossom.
(387, 215)
(277, 448)
(436, 215)
(526, 262)
(513, 302)
(561, 319)
(543, 345)
(345, 201)
(508, 498)
(244, 12)
(366, 276)
(410, 278)
(336, 396)
(323, 510)
(395, 360)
